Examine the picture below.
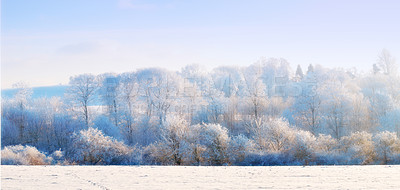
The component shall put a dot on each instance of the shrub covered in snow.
(273, 135)
(92, 147)
(195, 152)
(387, 148)
(325, 144)
(58, 157)
(303, 150)
(190, 145)
(23, 155)
(170, 148)
(239, 148)
(215, 138)
(359, 148)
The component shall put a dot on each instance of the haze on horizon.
(44, 42)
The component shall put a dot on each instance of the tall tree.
(310, 69)
(306, 107)
(299, 73)
(336, 104)
(129, 94)
(256, 91)
(387, 63)
(82, 90)
(22, 97)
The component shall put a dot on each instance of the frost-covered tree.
(230, 115)
(82, 91)
(387, 63)
(336, 104)
(359, 116)
(9, 132)
(46, 124)
(161, 89)
(299, 73)
(22, 95)
(256, 92)
(375, 91)
(129, 94)
(310, 69)
(306, 106)
(215, 101)
(64, 126)
(18, 108)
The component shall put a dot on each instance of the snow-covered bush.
(279, 135)
(195, 152)
(58, 158)
(326, 151)
(169, 149)
(358, 147)
(303, 150)
(154, 155)
(190, 145)
(272, 134)
(23, 155)
(215, 138)
(387, 147)
(239, 148)
(91, 146)
(325, 144)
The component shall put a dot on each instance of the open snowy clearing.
(174, 177)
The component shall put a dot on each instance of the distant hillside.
(39, 92)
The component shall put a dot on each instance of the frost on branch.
(23, 155)
(92, 147)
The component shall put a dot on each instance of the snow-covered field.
(174, 177)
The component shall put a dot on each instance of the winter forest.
(267, 113)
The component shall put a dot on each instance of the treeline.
(263, 114)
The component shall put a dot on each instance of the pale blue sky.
(46, 41)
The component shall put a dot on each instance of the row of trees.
(278, 143)
(232, 115)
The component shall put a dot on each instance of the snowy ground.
(170, 177)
